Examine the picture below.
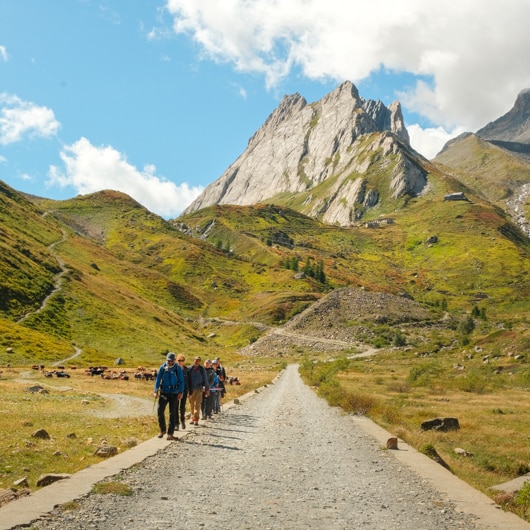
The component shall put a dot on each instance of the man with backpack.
(197, 385)
(169, 385)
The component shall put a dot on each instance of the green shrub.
(422, 375)
(522, 499)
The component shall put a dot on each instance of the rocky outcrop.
(514, 126)
(322, 159)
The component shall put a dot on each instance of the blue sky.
(156, 98)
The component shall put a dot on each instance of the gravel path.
(282, 460)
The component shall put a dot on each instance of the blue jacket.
(169, 379)
(197, 378)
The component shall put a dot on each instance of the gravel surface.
(283, 459)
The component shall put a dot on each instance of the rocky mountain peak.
(302, 145)
(514, 126)
(289, 106)
(522, 103)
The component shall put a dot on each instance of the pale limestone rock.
(301, 145)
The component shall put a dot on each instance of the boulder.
(34, 389)
(21, 482)
(441, 424)
(50, 478)
(106, 451)
(8, 495)
(42, 434)
(462, 452)
(392, 443)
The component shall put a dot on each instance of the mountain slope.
(514, 126)
(101, 274)
(122, 282)
(333, 159)
(27, 265)
(496, 161)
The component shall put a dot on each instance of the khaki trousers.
(195, 399)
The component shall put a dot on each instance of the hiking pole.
(154, 401)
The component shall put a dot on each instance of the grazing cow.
(95, 370)
(146, 375)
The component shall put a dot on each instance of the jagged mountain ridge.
(495, 160)
(512, 127)
(323, 155)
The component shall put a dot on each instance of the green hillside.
(484, 166)
(126, 283)
(133, 286)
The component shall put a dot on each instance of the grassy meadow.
(485, 388)
(79, 415)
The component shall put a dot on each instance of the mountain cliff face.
(514, 126)
(333, 159)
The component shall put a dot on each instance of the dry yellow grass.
(75, 412)
(493, 424)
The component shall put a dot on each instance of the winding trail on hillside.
(78, 352)
(57, 286)
(302, 337)
(57, 281)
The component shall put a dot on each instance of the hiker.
(169, 385)
(197, 385)
(182, 401)
(221, 389)
(208, 400)
(219, 368)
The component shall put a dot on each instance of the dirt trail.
(282, 459)
(57, 283)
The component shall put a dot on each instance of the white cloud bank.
(89, 169)
(20, 118)
(475, 52)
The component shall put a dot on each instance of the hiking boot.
(170, 437)
(183, 425)
(161, 434)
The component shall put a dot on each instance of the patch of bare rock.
(337, 320)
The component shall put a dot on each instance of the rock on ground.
(283, 459)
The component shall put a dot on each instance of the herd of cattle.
(141, 373)
(102, 371)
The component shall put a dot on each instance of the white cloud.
(89, 169)
(475, 52)
(429, 141)
(19, 118)
(3, 54)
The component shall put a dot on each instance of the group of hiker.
(176, 384)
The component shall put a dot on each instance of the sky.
(156, 98)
